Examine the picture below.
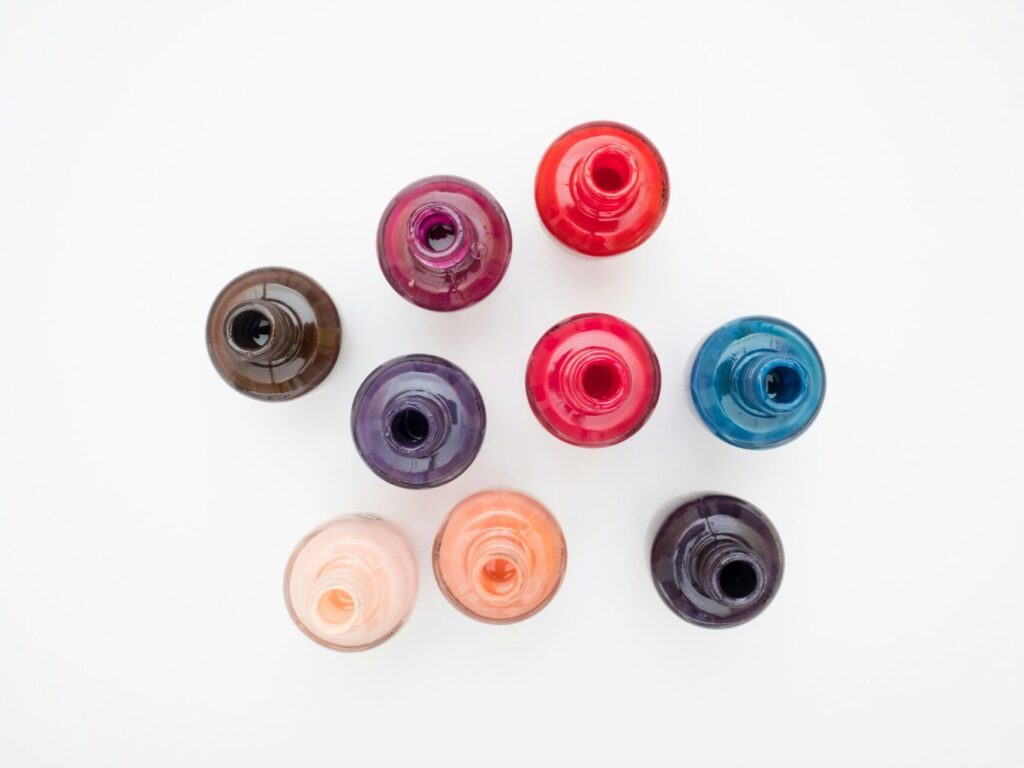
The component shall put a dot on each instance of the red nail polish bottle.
(593, 380)
(601, 188)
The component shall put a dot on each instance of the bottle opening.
(601, 381)
(437, 232)
(498, 576)
(610, 170)
(737, 579)
(250, 330)
(783, 384)
(409, 427)
(336, 606)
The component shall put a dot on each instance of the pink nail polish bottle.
(351, 583)
(593, 380)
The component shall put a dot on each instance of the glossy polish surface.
(717, 561)
(351, 583)
(499, 556)
(601, 188)
(757, 382)
(418, 421)
(444, 243)
(273, 333)
(593, 380)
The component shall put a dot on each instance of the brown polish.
(273, 333)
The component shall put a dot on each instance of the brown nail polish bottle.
(273, 333)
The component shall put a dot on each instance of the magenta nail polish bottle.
(444, 243)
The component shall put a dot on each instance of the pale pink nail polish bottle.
(499, 556)
(351, 583)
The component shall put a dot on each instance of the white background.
(855, 168)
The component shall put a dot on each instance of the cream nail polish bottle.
(351, 583)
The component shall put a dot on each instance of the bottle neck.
(416, 423)
(500, 565)
(767, 383)
(263, 331)
(345, 594)
(606, 181)
(439, 236)
(594, 380)
(725, 570)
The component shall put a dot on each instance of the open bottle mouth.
(416, 424)
(595, 380)
(499, 579)
(602, 381)
(336, 609)
(738, 580)
(611, 171)
(410, 428)
(250, 330)
(437, 236)
(262, 332)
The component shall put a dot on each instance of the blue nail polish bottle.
(757, 382)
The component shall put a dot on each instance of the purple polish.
(418, 421)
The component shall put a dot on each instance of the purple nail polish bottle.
(717, 561)
(444, 243)
(418, 421)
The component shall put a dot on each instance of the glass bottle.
(418, 421)
(273, 333)
(499, 556)
(601, 188)
(351, 583)
(593, 380)
(444, 243)
(757, 382)
(717, 561)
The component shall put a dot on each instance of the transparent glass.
(499, 556)
(717, 561)
(593, 380)
(418, 421)
(273, 333)
(601, 188)
(351, 583)
(758, 382)
(444, 243)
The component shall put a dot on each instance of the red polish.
(601, 188)
(593, 380)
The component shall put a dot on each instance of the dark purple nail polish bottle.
(444, 243)
(418, 421)
(717, 561)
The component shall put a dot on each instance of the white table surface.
(856, 168)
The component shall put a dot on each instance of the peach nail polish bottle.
(499, 556)
(351, 583)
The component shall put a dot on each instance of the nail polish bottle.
(757, 382)
(351, 583)
(444, 243)
(717, 561)
(601, 188)
(593, 380)
(418, 421)
(499, 556)
(273, 333)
